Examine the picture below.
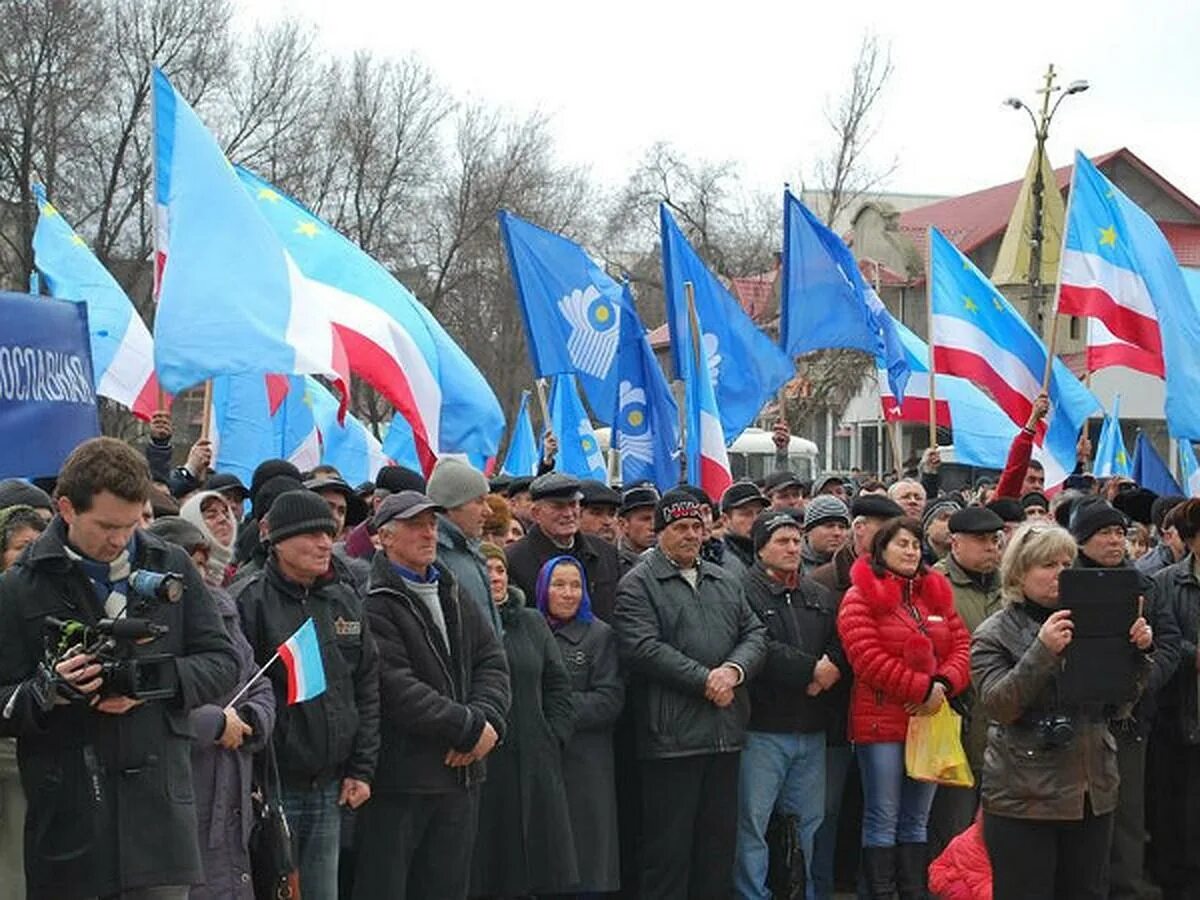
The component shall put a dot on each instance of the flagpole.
(257, 675)
(206, 413)
(1052, 344)
(540, 386)
(932, 368)
(689, 292)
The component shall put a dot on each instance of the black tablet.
(1100, 663)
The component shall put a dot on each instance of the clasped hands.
(488, 739)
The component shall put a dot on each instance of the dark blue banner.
(47, 402)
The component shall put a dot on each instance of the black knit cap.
(269, 490)
(395, 479)
(15, 492)
(1090, 515)
(299, 512)
(768, 523)
(1008, 509)
(519, 485)
(676, 505)
(268, 469)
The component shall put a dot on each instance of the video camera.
(144, 676)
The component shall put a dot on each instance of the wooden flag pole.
(206, 410)
(932, 368)
(539, 385)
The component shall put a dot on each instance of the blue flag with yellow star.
(579, 452)
(1111, 456)
(646, 430)
(571, 309)
(1119, 268)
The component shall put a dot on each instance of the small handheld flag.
(301, 655)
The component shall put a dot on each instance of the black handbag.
(271, 865)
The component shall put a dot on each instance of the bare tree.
(845, 174)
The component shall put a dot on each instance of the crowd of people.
(544, 687)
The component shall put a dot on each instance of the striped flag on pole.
(301, 655)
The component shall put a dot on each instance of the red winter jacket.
(963, 871)
(895, 657)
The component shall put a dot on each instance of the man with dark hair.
(636, 516)
(598, 510)
(690, 642)
(784, 490)
(108, 775)
(1171, 548)
(740, 506)
(326, 746)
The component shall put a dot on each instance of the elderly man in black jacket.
(327, 745)
(783, 760)
(555, 531)
(690, 642)
(1099, 529)
(445, 696)
(108, 776)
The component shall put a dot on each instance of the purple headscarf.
(584, 613)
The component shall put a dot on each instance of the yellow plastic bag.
(933, 750)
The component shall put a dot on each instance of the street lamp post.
(1041, 130)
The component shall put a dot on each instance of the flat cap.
(403, 505)
(597, 493)
(975, 520)
(875, 506)
(555, 486)
(741, 493)
(638, 497)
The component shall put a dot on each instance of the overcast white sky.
(748, 80)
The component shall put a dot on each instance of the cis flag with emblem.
(579, 452)
(122, 349)
(646, 429)
(571, 308)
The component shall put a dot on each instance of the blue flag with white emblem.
(748, 367)
(579, 452)
(571, 309)
(522, 457)
(646, 430)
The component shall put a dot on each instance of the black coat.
(334, 735)
(670, 636)
(1179, 592)
(524, 843)
(527, 556)
(589, 650)
(111, 805)
(432, 698)
(801, 628)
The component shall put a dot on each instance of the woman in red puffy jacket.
(910, 653)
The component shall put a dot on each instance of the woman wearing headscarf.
(19, 527)
(209, 511)
(524, 844)
(589, 650)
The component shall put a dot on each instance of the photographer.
(107, 776)
(1049, 781)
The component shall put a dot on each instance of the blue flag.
(400, 446)
(1150, 471)
(748, 367)
(122, 349)
(1111, 458)
(522, 457)
(256, 418)
(394, 342)
(579, 452)
(825, 303)
(47, 394)
(349, 445)
(1190, 468)
(646, 430)
(571, 309)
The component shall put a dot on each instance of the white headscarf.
(219, 555)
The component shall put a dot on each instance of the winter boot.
(879, 867)
(912, 871)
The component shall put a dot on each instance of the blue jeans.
(784, 772)
(895, 807)
(315, 819)
(837, 768)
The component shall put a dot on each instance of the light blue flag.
(571, 309)
(748, 367)
(348, 446)
(394, 342)
(579, 452)
(1150, 471)
(978, 335)
(250, 425)
(1115, 248)
(522, 457)
(400, 446)
(825, 303)
(646, 430)
(1111, 458)
(231, 299)
(1190, 468)
(122, 349)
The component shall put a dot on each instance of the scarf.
(219, 555)
(583, 614)
(109, 580)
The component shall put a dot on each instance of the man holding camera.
(101, 661)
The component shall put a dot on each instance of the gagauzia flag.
(301, 656)
(122, 349)
(256, 417)
(977, 335)
(1111, 457)
(348, 445)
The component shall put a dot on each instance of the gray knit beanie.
(454, 483)
(825, 508)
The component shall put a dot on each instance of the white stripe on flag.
(958, 334)
(1124, 286)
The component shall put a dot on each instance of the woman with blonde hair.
(1049, 781)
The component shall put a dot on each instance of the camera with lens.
(155, 587)
(116, 646)
(1055, 731)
